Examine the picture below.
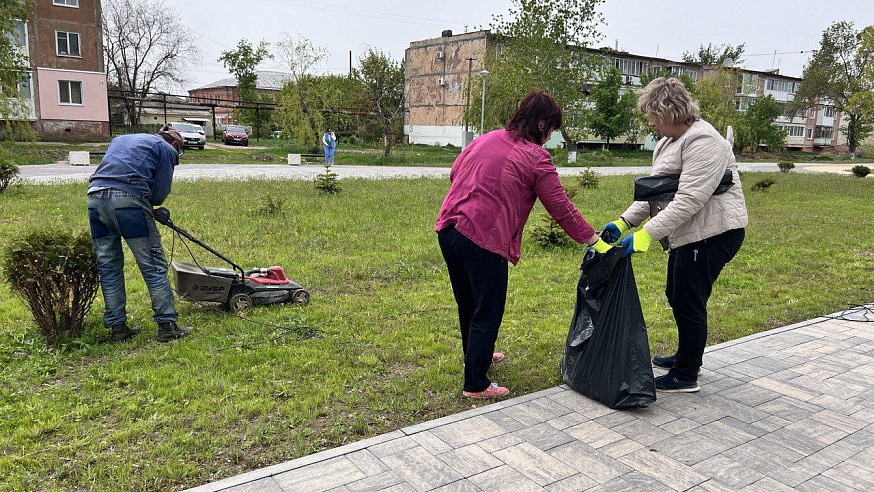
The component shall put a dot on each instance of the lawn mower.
(234, 287)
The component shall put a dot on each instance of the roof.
(267, 80)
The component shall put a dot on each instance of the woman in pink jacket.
(495, 182)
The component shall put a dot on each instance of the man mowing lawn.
(134, 176)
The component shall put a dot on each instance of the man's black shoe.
(664, 361)
(168, 332)
(670, 384)
(122, 332)
(667, 362)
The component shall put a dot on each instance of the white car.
(192, 135)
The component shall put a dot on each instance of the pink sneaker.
(493, 391)
(497, 357)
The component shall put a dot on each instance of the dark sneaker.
(664, 361)
(168, 332)
(122, 332)
(670, 384)
(667, 362)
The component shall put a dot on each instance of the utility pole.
(467, 102)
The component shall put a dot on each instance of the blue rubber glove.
(636, 243)
(614, 230)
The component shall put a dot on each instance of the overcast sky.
(647, 27)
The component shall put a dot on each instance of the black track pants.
(692, 271)
(479, 283)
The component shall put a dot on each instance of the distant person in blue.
(330, 143)
(134, 176)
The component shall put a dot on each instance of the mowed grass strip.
(235, 395)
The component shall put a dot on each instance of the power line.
(362, 12)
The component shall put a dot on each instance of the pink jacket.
(495, 182)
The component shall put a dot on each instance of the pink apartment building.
(65, 87)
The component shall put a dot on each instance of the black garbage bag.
(663, 187)
(606, 356)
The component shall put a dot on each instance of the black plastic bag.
(606, 356)
(663, 187)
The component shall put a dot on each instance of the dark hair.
(535, 108)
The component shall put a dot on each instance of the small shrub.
(8, 170)
(327, 183)
(272, 207)
(589, 179)
(860, 171)
(785, 166)
(559, 156)
(823, 157)
(602, 155)
(55, 274)
(548, 233)
(265, 157)
(763, 184)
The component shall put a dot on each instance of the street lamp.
(482, 120)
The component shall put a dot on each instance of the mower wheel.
(240, 303)
(301, 297)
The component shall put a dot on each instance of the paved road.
(49, 173)
(787, 409)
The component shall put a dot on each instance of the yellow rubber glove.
(614, 230)
(601, 246)
(637, 242)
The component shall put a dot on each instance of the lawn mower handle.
(162, 215)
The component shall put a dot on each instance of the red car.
(235, 134)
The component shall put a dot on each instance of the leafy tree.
(544, 46)
(715, 54)
(715, 95)
(614, 110)
(382, 83)
(145, 46)
(297, 114)
(840, 74)
(756, 125)
(13, 71)
(242, 62)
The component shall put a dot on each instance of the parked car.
(235, 134)
(192, 135)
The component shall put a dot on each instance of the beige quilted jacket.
(701, 156)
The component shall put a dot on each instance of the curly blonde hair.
(666, 100)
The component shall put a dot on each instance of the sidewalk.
(788, 409)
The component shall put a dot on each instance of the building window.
(67, 3)
(781, 86)
(829, 112)
(68, 43)
(825, 132)
(25, 88)
(70, 92)
(630, 67)
(809, 132)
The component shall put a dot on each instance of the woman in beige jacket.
(704, 231)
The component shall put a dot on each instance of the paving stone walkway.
(788, 409)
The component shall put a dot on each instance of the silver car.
(190, 134)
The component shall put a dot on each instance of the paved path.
(788, 409)
(49, 173)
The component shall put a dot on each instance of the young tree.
(297, 115)
(242, 62)
(715, 54)
(614, 110)
(13, 70)
(837, 74)
(544, 43)
(145, 47)
(382, 84)
(756, 126)
(715, 95)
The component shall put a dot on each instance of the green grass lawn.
(236, 396)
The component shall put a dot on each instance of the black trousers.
(479, 283)
(692, 271)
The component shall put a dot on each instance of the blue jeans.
(329, 154)
(114, 215)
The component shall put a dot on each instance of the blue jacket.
(139, 164)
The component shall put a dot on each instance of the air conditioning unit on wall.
(440, 55)
(441, 81)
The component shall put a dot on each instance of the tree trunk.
(568, 142)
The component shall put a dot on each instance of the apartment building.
(438, 72)
(65, 86)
